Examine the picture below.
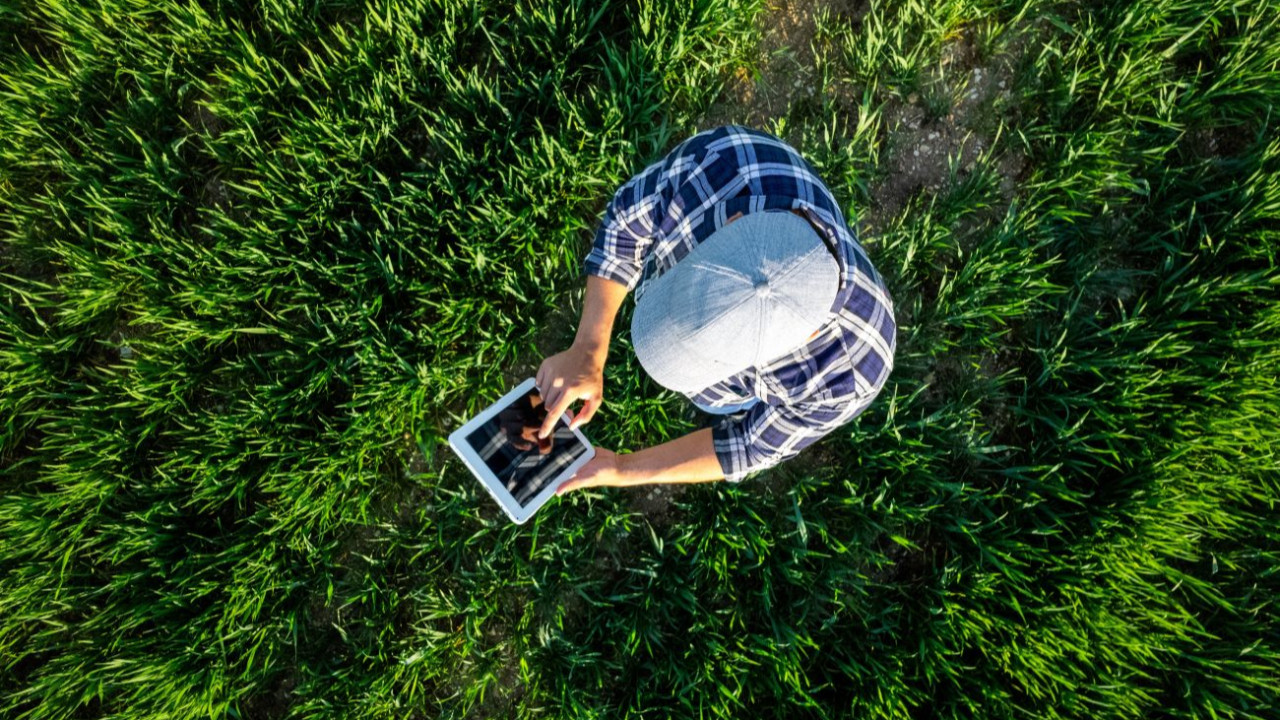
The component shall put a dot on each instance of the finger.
(576, 480)
(537, 378)
(548, 423)
(550, 397)
(587, 412)
(554, 411)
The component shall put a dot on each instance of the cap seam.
(795, 268)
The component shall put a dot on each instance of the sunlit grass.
(257, 260)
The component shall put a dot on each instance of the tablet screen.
(509, 445)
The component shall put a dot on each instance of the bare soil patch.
(945, 128)
(943, 131)
(656, 502)
(757, 96)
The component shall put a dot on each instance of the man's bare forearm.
(687, 459)
(690, 458)
(599, 309)
(577, 373)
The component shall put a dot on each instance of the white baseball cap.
(751, 292)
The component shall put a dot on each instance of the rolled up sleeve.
(626, 233)
(770, 434)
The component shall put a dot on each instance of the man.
(753, 298)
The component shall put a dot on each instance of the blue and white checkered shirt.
(661, 214)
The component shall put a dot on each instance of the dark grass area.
(258, 260)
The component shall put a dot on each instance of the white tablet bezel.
(458, 441)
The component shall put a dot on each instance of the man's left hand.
(602, 470)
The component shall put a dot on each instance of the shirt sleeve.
(630, 222)
(769, 434)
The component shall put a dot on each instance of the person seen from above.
(753, 298)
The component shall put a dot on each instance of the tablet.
(502, 449)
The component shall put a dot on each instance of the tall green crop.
(258, 259)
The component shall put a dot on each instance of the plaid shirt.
(661, 214)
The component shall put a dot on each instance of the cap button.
(762, 287)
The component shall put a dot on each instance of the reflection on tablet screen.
(509, 445)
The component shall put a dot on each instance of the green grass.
(257, 261)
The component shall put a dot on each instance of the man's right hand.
(567, 377)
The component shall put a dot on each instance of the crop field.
(258, 259)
